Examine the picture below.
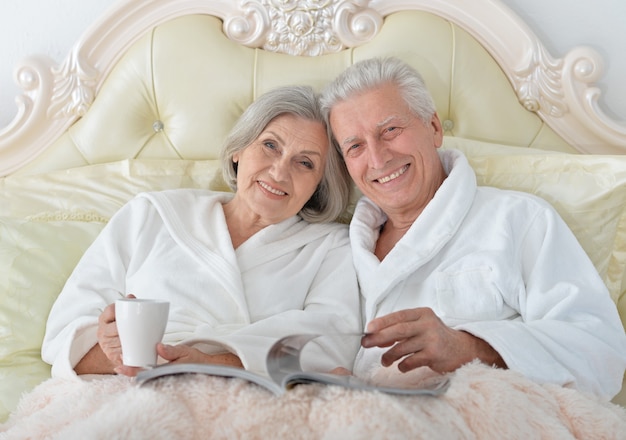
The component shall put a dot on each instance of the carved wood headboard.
(560, 91)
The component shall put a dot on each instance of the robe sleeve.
(98, 280)
(565, 311)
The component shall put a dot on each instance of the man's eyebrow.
(382, 123)
(349, 140)
(389, 119)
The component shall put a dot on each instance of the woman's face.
(280, 170)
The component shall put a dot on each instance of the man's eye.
(392, 131)
(351, 148)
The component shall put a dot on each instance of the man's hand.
(420, 338)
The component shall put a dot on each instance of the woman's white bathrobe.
(503, 266)
(288, 278)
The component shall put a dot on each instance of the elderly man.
(453, 272)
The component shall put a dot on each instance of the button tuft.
(447, 125)
(157, 126)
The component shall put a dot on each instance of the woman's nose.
(279, 170)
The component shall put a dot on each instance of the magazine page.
(283, 358)
(431, 388)
(285, 372)
(146, 376)
(284, 367)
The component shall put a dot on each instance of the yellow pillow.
(588, 191)
(35, 260)
(47, 221)
(101, 189)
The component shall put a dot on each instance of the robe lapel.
(430, 232)
(277, 240)
(196, 221)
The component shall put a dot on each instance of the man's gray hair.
(374, 72)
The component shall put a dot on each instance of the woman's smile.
(271, 189)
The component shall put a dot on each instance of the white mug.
(141, 325)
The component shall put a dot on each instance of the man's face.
(390, 153)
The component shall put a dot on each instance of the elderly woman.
(240, 269)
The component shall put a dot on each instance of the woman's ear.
(235, 162)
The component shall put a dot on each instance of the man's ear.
(435, 123)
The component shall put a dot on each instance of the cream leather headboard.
(183, 81)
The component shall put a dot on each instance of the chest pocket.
(469, 295)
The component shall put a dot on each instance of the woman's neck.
(240, 226)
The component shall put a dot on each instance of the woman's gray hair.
(374, 72)
(332, 195)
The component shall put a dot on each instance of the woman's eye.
(270, 145)
(307, 164)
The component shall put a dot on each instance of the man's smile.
(393, 176)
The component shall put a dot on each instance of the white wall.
(30, 27)
(51, 27)
(563, 24)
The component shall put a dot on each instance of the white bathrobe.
(503, 266)
(174, 245)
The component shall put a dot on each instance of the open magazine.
(285, 372)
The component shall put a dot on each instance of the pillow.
(101, 189)
(47, 221)
(35, 260)
(588, 191)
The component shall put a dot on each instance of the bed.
(145, 98)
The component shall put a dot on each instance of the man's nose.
(379, 155)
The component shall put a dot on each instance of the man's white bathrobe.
(174, 245)
(503, 266)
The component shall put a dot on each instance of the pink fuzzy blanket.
(481, 403)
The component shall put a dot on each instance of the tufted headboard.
(164, 79)
(145, 98)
